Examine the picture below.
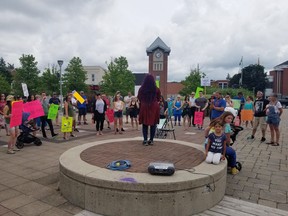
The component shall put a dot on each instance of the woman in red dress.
(149, 97)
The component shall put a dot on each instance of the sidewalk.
(29, 178)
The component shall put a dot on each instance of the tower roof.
(158, 43)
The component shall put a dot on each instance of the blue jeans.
(230, 152)
(145, 132)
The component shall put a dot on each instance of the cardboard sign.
(78, 97)
(247, 115)
(198, 118)
(236, 104)
(67, 124)
(34, 108)
(197, 91)
(16, 113)
(53, 111)
(110, 115)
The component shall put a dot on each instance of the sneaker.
(250, 137)
(76, 130)
(234, 171)
(122, 129)
(109, 127)
(16, 149)
(150, 142)
(85, 123)
(10, 151)
(145, 143)
(263, 139)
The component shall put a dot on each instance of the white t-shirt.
(277, 106)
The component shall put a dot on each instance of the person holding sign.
(13, 130)
(44, 118)
(201, 104)
(248, 111)
(55, 100)
(69, 112)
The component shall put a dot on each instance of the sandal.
(275, 144)
(270, 143)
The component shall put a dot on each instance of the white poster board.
(205, 82)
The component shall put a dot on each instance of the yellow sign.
(67, 124)
(197, 91)
(157, 83)
(78, 97)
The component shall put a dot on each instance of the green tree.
(50, 80)
(27, 73)
(192, 81)
(118, 77)
(4, 71)
(5, 86)
(253, 77)
(75, 76)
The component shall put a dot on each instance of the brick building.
(280, 79)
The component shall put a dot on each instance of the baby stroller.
(25, 136)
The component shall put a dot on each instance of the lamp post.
(60, 63)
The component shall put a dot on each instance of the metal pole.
(60, 63)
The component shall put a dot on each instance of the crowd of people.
(148, 107)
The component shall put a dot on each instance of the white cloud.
(214, 34)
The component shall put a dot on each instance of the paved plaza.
(29, 179)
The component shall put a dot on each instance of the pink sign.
(110, 115)
(198, 118)
(34, 108)
(16, 114)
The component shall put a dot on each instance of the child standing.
(216, 147)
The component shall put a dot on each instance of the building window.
(223, 85)
(93, 77)
(157, 66)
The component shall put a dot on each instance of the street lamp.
(60, 63)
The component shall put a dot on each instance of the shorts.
(118, 114)
(133, 113)
(261, 121)
(82, 111)
(273, 120)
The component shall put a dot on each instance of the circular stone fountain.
(86, 182)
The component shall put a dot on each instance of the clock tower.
(158, 53)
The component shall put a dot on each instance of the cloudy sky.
(211, 33)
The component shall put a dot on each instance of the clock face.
(158, 54)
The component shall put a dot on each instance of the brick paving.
(29, 178)
(183, 157)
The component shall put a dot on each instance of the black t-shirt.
(54, 101)
(260, 105)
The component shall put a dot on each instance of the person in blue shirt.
(217, 106)
(240, 97)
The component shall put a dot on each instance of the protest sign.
(34, 108)
(247, 115)
(157, 83)
(78, 97)
(237, 104)
(67, 124)
(198, 118)
(53, 111)
(110, 115)
(205, 82)
(16, 113)
(25, 89)
(197, 91)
